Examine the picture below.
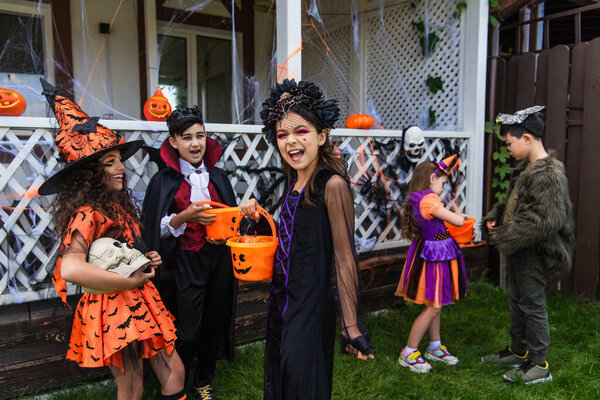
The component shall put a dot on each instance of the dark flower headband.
(287, 96)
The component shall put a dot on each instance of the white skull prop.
(115, 256)
(414, 141)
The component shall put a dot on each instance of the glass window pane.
(214, 78)
(21, 44)
(22, 59)
(172, 70)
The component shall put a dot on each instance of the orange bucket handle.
(265, 214)
(214, 203)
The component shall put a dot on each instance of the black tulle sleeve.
(340, 209)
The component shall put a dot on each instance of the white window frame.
(190, 33)
(28, 9)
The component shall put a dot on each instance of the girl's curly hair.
(85, 187)
(419, 182)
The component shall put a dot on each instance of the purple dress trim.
(285, 232)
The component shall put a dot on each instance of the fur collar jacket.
(542, 218)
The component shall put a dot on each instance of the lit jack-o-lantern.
(11, 103)
(157, 107)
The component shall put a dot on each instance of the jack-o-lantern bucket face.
(157, 107)
(224, 222)
(252, 256)
(11, 103)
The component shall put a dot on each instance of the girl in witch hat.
(129, 322)
(434, 272)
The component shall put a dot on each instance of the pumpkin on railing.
(360, 121)
(157, 107)
(12, 104)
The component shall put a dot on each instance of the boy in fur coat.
(533, 229)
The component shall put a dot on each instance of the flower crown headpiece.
(287, 96)
(184, 112)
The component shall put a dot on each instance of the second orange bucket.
(253, 256)
(223, 226)
(462, 234)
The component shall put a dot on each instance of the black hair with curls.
(85, 187)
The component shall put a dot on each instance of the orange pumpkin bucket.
(253, 256)
(223, 225)
(462, 234)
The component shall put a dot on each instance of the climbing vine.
(500, 161)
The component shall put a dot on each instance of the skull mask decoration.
(115, 256)
(414, 141)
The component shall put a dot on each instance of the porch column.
(151, 47)
(289, 39)
(475, 54)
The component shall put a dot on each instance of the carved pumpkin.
(360, 121)
(11, 103)
(157, 107)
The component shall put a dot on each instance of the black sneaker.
(530, 373)
(205, 393)
(506, 357)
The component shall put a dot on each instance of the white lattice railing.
(28, 246)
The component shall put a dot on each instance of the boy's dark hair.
(182, 118)
(178, 127)
(533, 125)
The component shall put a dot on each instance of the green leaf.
(500, 196)
(503, 154)
(431, 116)
(418, 25)
(435, 84)
(494, 22)
(494, 4)
(460, 7)
(497, 133)
(496, 182)
(504, 184)
(502, 170)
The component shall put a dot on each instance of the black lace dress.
(315, 255)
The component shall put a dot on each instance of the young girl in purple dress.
(434, 273)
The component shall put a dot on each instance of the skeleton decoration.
(414, 142)
(115, 256)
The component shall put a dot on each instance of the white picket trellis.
(28, 245)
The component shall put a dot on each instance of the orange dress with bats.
(104, 324)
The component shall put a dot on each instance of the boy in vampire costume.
(196, 279)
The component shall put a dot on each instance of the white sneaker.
(440, 354)
(414, 362)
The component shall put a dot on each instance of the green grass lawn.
(473, 327)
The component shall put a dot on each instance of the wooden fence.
(567, 81)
